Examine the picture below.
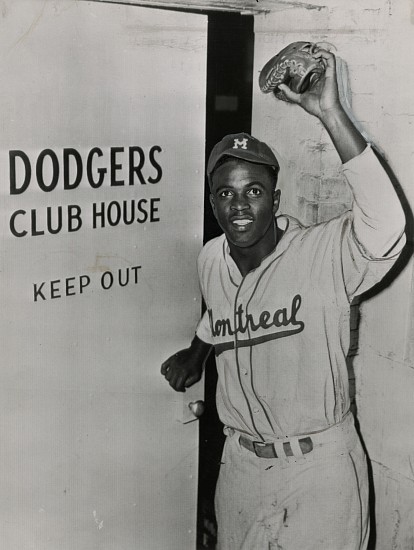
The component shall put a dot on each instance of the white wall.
(93, 453)
(374, 38)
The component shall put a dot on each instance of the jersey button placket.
(245, 373)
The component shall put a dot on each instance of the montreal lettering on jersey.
(244, 322)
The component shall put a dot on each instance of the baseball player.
(293, 473)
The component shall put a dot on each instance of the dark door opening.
(228, 110)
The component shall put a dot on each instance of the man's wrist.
(347, 139)
(333, 116)
(199, 348)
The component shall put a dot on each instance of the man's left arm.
(379, 220)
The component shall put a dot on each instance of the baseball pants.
(317, 501)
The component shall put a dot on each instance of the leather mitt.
(294, 66)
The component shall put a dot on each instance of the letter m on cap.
(240, 143)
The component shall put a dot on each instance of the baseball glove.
(293, 66)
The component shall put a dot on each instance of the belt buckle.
(264, 450)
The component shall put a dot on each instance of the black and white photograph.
(206, 275)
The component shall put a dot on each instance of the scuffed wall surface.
(375, 39)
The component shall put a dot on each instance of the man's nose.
(239, 203)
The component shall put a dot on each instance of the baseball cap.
(242, 146)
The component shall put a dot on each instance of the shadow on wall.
(355, 318)
(409, 230)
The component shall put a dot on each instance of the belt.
(268, 450)
(337, 438)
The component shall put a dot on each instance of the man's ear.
(276, 200)
(213, 206)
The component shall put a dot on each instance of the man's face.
(244, 202)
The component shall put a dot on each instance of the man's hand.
(181, 371)
(323, 97)
(322, 101)
(185, 368)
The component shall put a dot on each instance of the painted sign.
(101, 190)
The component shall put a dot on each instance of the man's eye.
(225, 193)
(254, 191)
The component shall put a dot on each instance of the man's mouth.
(241, 223)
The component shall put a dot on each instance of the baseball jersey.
(281, 332)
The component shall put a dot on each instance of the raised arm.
(322, 101)
(379, 219)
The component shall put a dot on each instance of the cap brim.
(243, 155)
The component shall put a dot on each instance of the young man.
(278, 296)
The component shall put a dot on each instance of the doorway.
(230, 48)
